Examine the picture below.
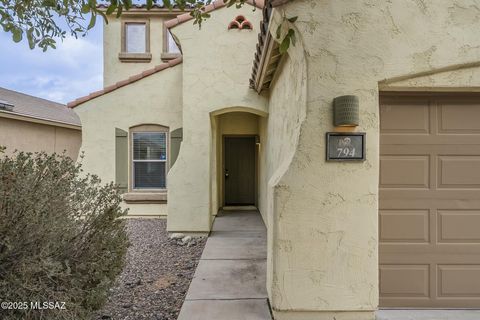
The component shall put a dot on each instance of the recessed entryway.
(237, 152)
(429, 205)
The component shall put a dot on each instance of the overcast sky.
(72, 70)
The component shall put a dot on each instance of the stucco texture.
(156, 99)
(216, 68)
(324, 219)
(35, 137)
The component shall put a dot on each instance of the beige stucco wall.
(115, 70)
(216, 69)
(325, 214)
(35, 137)
(156, 99)
(238, 123)
(279, 135)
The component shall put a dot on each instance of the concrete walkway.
(229, 282)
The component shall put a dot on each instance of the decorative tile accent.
(240, 22)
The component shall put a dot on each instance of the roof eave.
(267, 56)
(41, 120)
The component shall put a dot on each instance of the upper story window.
(170, 48)
(135, 37)
(149, 159)
(171, 44)
(135, 41)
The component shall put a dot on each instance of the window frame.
(165, 54)
(147, 128)
(125, 56)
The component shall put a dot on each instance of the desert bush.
(60, 237)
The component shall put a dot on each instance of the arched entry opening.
(236, 150)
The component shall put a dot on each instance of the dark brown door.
(239, 170)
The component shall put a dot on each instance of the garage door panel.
(459, 171)
(430, 303)
(405, 280)
(412, 118)
(450, 198)
(459, 118)
(411, 141)
(458, 281)
(461, 226)
(410, 226)
(411, 253)
(429, 204)
(404, 171)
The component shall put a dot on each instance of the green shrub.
(60, 239)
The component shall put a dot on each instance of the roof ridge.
(125, 82)
(217, 4)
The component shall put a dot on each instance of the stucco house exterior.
(189, 123)
(33, 124)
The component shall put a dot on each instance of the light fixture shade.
(346, 111)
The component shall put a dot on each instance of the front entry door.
(239, 171)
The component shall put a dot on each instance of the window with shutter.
(149, 157)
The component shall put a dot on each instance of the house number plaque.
(343, 146)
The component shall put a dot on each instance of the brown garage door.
(429, 210)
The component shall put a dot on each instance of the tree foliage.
(60, 237)
(43, 22)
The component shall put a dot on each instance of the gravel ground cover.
(156, 276)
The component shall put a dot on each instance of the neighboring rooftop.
(37, 108)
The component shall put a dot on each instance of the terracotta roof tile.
(148, 72)
(96, 94)
(125, 82)
(135, 77)
(162, 66)
(110, 88)
(138, 6)
(263, 38)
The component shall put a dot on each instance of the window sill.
(135, 57)
(169, 56)
(144, 197)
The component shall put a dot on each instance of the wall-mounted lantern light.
(346, 111)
